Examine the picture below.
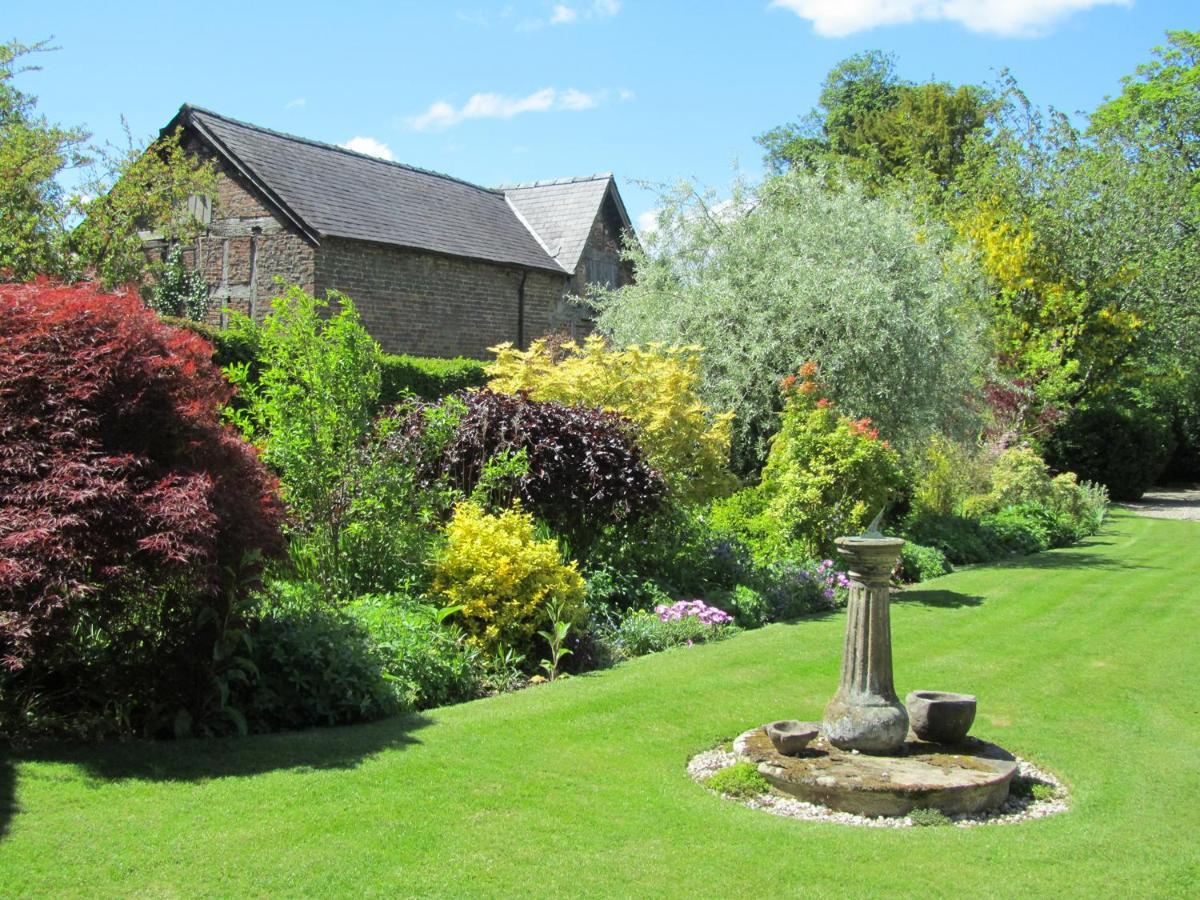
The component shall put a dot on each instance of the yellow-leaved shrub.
(656, 387)
(503, 577)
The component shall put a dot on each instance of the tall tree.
(881, 130)
(791, 271)
(34, 152)
(44, 229)
(1090, 239)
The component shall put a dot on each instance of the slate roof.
(331, 191)
(562, 212)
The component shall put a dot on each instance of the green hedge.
(229, 345)
(1122, 446)
(429, 378)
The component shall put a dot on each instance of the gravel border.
(1018, 808)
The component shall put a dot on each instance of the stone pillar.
(865, 714)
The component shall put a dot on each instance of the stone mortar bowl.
(940, 716)
(790, 736)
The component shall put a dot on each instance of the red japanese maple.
(118, 480)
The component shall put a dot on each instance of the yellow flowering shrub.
(1052, 328)
(503, 577)
(655, 387)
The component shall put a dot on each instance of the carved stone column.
(865, 714)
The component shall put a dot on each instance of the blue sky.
(497, 92)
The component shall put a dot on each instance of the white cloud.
(647, 222)
(295, 104)
(1007, 18)
(566, 14)
(577, 100)
(625, 94)
(478, 19)
(370, 147)
(442, 115)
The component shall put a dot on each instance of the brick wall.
(432, 305)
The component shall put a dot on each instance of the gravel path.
(1168, 503)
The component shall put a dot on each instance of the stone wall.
(433, 305)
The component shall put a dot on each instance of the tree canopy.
(789, 271)
(45, 229)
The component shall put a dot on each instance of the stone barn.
(437, 266)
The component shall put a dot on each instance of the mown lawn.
(1085, 660)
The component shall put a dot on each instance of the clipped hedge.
(229, 345)
(430, 378)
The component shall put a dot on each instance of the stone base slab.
(965, 778)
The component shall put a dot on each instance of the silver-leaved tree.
(800, 269)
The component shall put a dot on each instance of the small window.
(602, 270)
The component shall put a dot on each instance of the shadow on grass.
(815, 615)
(340, 747)
(1066, 559)
(939, 599)
(8, 792)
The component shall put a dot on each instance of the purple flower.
(708, 615)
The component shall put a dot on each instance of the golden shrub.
(504, 577)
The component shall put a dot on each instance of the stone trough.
(965, 778)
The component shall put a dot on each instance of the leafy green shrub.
(918, 563)
(640, 632)
(749, 608)
(928, 818)
(947, 474)
(1020, 530)
(503, 578)
(826, 475)
(678, 549)
(741, 780)
(315, 666)
(655, 388)
(961, 540)
(427, 662)
(427, 377)
(1019, 476)
(1024, 510)
(360, 520)
(618, 589)
(1121, 446)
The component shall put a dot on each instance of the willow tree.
(790, 271)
